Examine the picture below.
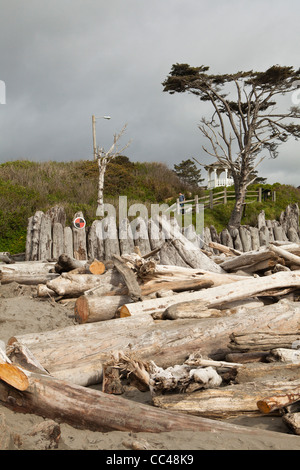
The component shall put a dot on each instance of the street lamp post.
(94, 132)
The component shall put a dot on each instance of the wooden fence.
(213, 199)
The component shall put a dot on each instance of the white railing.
(220, 182)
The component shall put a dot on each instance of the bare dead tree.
(103, 158)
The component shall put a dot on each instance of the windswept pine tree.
(244, 124)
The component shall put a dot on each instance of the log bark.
(58, 240)
(216, 296)
(30, 273)
(68, 242)
(200, 309)
(264, 340)
(28, 247)
(290, 257)
(248, 259)
(44, 292)
(91, 409)
(45, 240)
(6, 258)
(35, 235)
(229, 401)
(139, 229)
(90, 309)
(67, 263)
(74, 285)
(110, 238)
(191, 255)
(125, 237)
(176, 286)
(95, 241)
(134, 289)
(228, 250)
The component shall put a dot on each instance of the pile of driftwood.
(215, 339)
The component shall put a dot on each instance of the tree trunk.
(102, 163)
(240, 187)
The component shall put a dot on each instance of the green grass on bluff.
(26, 187)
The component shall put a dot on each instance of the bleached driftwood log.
(200, 309)
(166, 343)
(285, 355)
(289, 257)
(90, 409)
(192, 255)
(134, 289)
(74, 285)
(227, 402)
(216, 296)
(30, 272)
(264, 340)
(249, 259)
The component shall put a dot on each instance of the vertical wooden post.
(211, 199)
(274, 196)
(225, 195)
(178, 206)
(196, 205)
(259, 194)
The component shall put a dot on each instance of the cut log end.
(12, 375)
(124, 312)
(97, 267)
(81, 309)
(264, 407)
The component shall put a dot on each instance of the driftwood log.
(91, 409)
(86, 408)
(281, 398)
(66, 263)
(30, 273)
(89, 308)
(74, 285)
(165, 342)
(216, 296)
(230, 401)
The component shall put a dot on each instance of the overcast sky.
(64, 60)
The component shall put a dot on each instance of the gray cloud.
(63, 61)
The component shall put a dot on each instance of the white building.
(218, 175)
